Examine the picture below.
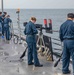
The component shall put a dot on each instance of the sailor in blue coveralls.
(31, 31)
(3, 17)
(0, 22)
(7, 20)
(67, 37)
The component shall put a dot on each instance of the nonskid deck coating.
(10, 64)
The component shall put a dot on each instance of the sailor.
(31, 31)
(7, 22)
(3, 17)
(0, 22)
(67, 37)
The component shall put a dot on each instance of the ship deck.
(10, 64)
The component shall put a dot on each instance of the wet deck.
(10, 64)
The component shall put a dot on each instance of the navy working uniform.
(31, 31)
(3, 17)
(67, 36)
(7, 28)
(0, 24)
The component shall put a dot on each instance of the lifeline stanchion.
(18, 21)
(15, 38)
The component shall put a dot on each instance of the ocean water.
(58, 16)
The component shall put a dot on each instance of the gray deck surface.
(10, 64)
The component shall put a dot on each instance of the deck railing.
(54, 51)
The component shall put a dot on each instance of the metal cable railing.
(56, 50)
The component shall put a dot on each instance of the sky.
(38, 4)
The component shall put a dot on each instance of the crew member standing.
(0, 22)
(67, 37)
(31, 31)
(3, 17)
(7, 22)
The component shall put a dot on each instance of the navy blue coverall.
(3, 17)
(0, 24)
(67, 37)
(7, 28)
(31, 31)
